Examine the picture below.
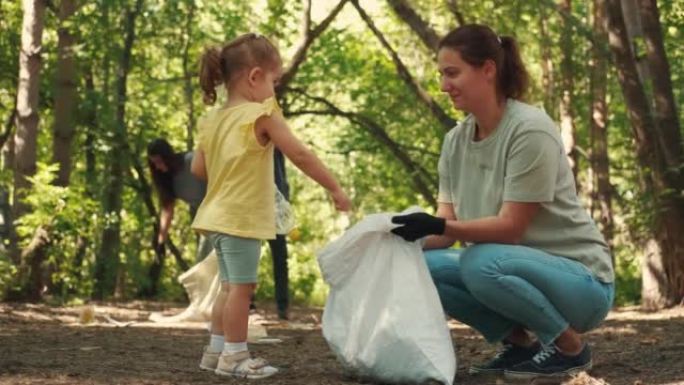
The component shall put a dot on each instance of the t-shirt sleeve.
(269, 106)
(444, 194)
(257, 110)
(265, 108)
(532, 168)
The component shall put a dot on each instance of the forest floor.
(40, 344)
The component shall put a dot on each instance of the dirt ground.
(48, 345)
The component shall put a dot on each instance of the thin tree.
(65, 93)
(188, 89)
(659, 149)
(25, 146)
(25, 139)
(422, 28)
(602, 190)
(446, 121)
(567, 117)
(107, 264)
(545, 48)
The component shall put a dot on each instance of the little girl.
(235, 155)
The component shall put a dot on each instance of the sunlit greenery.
(346, 65)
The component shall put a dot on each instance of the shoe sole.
(247, 376)
(531, 375)
(208, 369)
(488, 372)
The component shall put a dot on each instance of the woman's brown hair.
(478, 43)
(219, 64)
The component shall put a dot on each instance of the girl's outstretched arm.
(277, 130)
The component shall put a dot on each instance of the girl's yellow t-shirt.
(240, 197)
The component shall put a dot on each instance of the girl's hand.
(342, 201)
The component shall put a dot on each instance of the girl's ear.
(489, 69)
(254, 74)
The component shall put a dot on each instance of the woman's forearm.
(489, 229)
(438, 242)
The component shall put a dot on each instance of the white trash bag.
(202, 284)
(285, 220)
(383, 318)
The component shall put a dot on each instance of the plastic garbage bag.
(202, 284)
(285, 220)
(383, 318)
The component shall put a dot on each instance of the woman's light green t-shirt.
(522, 161)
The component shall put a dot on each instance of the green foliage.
(69, 217)
(8, 272)
(346, 65)
(627, 275)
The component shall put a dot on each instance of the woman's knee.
(478, 261)
(443, 264)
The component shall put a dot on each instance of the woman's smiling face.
(465, 84)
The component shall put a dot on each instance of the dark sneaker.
(508, 356)
(550, 362)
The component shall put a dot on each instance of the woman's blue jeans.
(495, 288)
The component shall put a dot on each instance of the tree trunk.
(35, 255)
(567, 124)
(635, 34)
(107, 264)
(545, 44)
(598, 128)
(424, 31)
(456, 11)
(670, 182)
(8, 165)
(65, 93)
(666, 118)
(423, 96)
(308, 37)
(26, 137)
(663, 265)
(91, 125)
(421, 178)
(188, 75)
(27, 120)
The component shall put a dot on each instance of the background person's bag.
(202, 284)
(285, 220)
(383, 318)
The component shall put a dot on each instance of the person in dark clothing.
(173, 180)
(279, 245)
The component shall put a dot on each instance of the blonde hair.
(219, 64)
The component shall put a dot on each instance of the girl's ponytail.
(514, 78)
(211, 74)
(219, 65)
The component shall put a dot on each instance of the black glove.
(418, 225)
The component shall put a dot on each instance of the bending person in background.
(173, 180)
(535, 272)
